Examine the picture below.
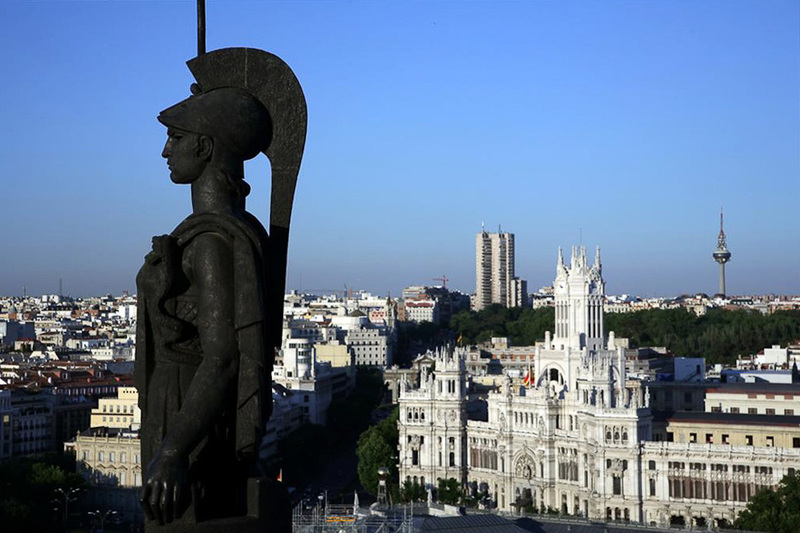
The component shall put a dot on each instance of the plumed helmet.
(229, 115)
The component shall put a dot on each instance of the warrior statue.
(211, 297)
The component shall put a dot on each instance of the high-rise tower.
(495, 282)
(721, 255)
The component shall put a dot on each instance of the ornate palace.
(582, 439)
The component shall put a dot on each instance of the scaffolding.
(348, 519)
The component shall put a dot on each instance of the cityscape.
(620, 353)
(583, 423)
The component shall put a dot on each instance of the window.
(716, 409)
(122, 457)
(734, 410)
(748, 439)
(725, 438)
(85, 454)
(795, 442)
(752, 411)
(770, 411)
(112, 456)
(788, 412)
(692, 437)
(137, 458)
(452, 459)
(651, 465)
(710, 438)
(617, 485)
(100, 456)
(770, 441)
(652, 486)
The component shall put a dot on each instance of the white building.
(313, 385)
(582, 440)
(422, 310)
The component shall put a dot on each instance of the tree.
(412, 491)
(449, 491)
(774, 510)
(373, 453)
(377, 447)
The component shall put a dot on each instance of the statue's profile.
(211, 293)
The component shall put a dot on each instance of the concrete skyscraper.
(495, 282)
(721, 255)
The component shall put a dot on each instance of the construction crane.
(444, 279)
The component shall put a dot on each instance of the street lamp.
(102, 516)
(67, 494)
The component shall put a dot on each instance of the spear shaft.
(201, 27)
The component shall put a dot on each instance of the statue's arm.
(212, 384)
(215, 378)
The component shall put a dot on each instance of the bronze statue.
(211, 295)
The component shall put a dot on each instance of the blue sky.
(624, 124)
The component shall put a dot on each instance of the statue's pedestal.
(268, 511)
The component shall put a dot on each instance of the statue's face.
(184, 154)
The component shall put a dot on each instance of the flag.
(460, 338)
(527, 380)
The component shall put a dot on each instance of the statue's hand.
(164, 493)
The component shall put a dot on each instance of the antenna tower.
(721, 255)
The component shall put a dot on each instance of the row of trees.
(29, 497)
(720, 335)
(523, 325)
(303, 454)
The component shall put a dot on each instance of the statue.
(211, 299)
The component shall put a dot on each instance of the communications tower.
(721, 255)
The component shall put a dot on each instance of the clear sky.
(624, 124)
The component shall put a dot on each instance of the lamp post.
(67, 494)
(102, 516)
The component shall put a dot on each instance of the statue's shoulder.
(232, 229)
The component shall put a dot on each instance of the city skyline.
(624, 125)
